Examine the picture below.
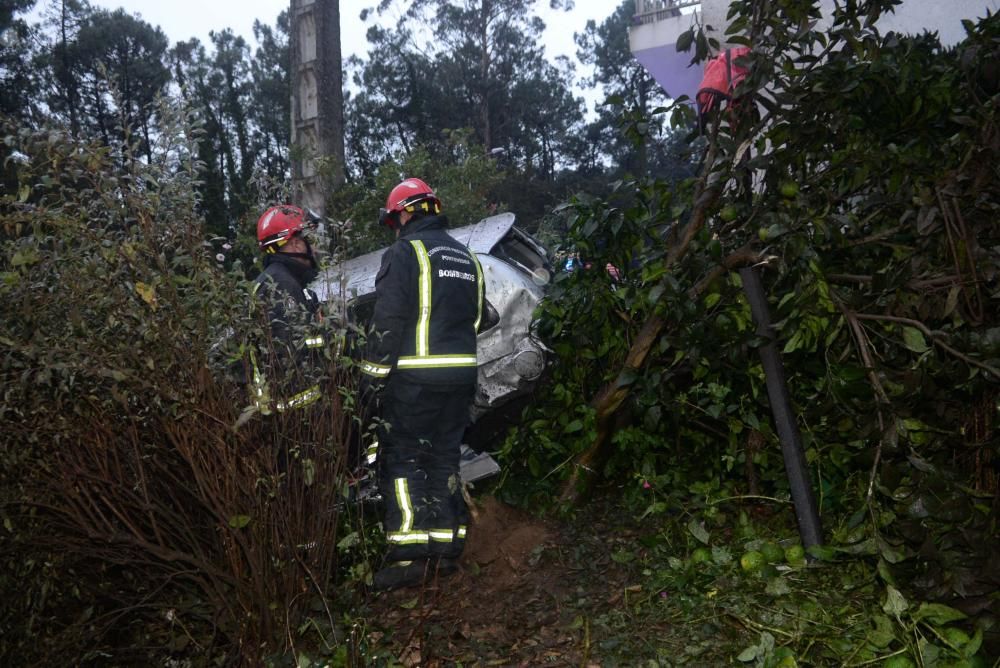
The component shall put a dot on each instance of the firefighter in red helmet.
(283, 371)
(421, 362)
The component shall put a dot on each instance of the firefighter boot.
(400, 574)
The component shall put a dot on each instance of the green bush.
(145, 509)
(461, 174)
(873, 215)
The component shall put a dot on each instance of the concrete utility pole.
(317, 142)
(803, 498)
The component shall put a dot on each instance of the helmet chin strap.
(308, 255)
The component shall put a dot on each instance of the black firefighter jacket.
(285, 367)
(429, 296)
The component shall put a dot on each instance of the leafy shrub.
(864, 183)
(140, 519)
(460, 173)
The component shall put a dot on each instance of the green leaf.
(777, 587)
(697, 530)
(722, 555)
(952, 301)
(147, 292)
(24, 258)
(685, 39)
(574, 426)
(895, 603)
(622, 556)
(884, 572)
(245, 416)
(794, 343)
(749, 654)
(864, 547)
(239, 521)
(308, 472)
(914, 340)
(656, 293)
(883, 634)
(937, 613)
(350, 540)
(889, 552)
(822, 552)
(626, 377)
(974, 644)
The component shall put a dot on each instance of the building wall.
(911, 17)
(653, 43)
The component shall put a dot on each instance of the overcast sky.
(183, 19)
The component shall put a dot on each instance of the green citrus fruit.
(899, 661)
(700, 555)
(729, 213)
(752, 561)
(772, 553)
(789, 188)
(795, 555)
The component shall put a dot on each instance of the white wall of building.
(911, 17)
(653, 39)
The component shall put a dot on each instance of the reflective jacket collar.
(302, 273)
(423, 224)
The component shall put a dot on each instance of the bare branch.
(934, 337)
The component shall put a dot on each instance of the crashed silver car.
(517, 270)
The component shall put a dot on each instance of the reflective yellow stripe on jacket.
(423, 359)
(424, 289)
(261, 394)
(479, 289)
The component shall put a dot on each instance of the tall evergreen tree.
(477, 64)
(631, 94)
(17, 77)
(106, 70)
(199, 85)
(270, 109)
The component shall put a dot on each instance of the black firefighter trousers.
(418, 454)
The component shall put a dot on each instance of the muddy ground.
(523, 597)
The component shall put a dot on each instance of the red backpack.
(722, 75)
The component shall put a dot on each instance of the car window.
(490, 317)
(520, 253)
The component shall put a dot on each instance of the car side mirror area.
(491, 318)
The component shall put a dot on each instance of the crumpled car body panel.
(516, 270)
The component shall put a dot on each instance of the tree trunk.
(584, 471)
(69, 81)
(318, 164)
(484, 73)
(587, 464)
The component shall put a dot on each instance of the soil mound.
(502, 539)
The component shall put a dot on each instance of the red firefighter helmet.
(411, 195)
(279, 223)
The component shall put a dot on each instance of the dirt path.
(521, 598)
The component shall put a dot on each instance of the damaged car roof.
(358, 274)
(516, 270)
